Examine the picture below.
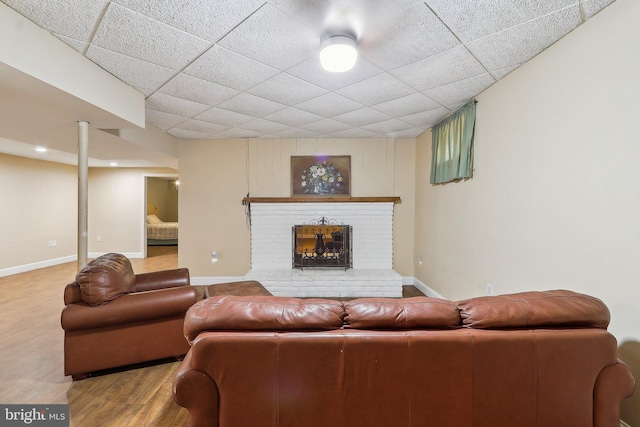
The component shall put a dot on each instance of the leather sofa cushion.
(408, 313)
(259, 313)
(559, 308)
(106, 278)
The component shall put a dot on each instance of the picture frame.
(321, 176)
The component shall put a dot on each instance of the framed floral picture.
(320, 175)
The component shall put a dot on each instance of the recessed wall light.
(41, 149)
(114, 164)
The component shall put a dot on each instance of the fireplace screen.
(321, 243)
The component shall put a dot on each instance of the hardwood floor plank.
(31, 351)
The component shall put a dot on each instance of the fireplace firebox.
(321, 243)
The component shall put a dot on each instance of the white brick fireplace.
(372, 243)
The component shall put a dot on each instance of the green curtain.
(452, 146)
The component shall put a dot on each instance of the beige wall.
(38, 203)
(555, 198)
(117, 209)
(215, 175)
(213, 182)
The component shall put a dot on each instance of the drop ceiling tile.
(187, 134)
(198, 90)
(326, 126)
(591, 7)
(131, 33)
(388, 126)
(200, 126)
(311, 71)
(286, 89)
(135, 72)
(71, 18)
(223, 117)
(474, 20)
(460, 91)
(163, 120)
(406, 133)
(361, 117)
(437, 70)
(500, 73)
(406, 105)
(75, 44)
(415, 35)
(207, 19)
(225, 67)
(238, 133)
(377, 89)
(251, 105)
(329, 105)
(171, 104)
(293, 117)
(273, 38)
(264, 126)
(338, 14)
(426, 119)
(354, 132)
(521, 43)
(297, 133)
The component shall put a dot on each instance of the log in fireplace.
(321, 243)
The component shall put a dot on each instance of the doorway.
(161, 223)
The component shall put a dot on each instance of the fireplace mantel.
(322, 199)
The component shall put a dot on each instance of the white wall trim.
(36, 265)
(130, 255)
(424, 288)
(623, 424)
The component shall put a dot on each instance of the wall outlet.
(489, 289)
(420, 259)
(53, 243)
(98, 238)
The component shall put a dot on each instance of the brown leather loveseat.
(113, 317)
(541, 359)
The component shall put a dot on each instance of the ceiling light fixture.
(338, 53)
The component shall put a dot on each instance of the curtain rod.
(453, 112)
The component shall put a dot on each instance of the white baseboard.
(422, 287)
(36, 265)
(623, 424)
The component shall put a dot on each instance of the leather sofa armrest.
(614, 384)
(130, 308)
(197, 392)
(162, 279)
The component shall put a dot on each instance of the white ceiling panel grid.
(250, 68)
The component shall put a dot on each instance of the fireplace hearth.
(370, 222)
(321, 243)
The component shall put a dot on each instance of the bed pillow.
(153, 219)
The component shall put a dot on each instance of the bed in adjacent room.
(159, 232)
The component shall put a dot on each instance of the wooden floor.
(31, 353)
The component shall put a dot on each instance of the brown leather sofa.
(113, 317)
(540, 359)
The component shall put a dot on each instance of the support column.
(83, 192)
